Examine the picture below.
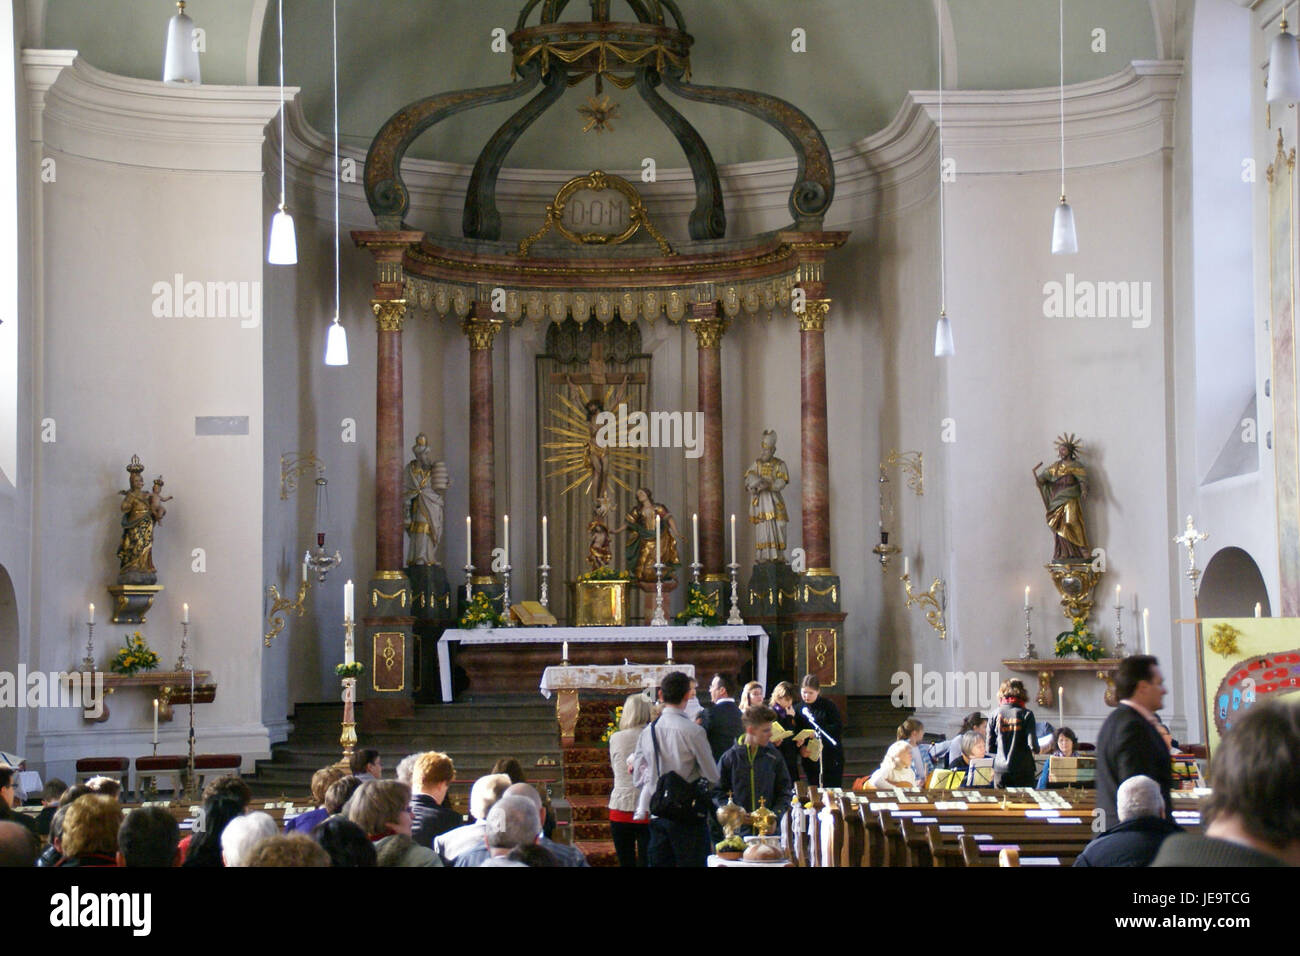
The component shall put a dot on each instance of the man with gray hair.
(566, 855)
(482, 797)
(1142, 827)
(405, 766)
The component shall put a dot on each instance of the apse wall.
(167, 191)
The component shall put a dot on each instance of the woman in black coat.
(1012, 738)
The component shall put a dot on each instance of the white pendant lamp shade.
(283, 248)
(336, 346)
(1284, 68)
(1064, 239)
(181, 61)
(943, 337)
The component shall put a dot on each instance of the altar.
(511, 660)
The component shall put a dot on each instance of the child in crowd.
(753, 768)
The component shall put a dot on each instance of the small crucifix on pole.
(1189, 539)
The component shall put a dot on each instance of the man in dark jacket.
(1129, 745)
(722, 721)
(430, 815)
(1142, 828)
(753, 768)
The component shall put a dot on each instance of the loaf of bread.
(763, 853)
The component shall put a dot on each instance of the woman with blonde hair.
(896, 769)
(913, 731)
(751, 696)
(631, 837)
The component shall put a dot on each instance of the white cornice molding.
(97, 115)
(1114, 119)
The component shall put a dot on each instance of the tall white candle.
(91, 619)
(347, 601)
(304, 568)
(185, 614)
(1259, 609)
(544, 561)
(1026, 596)
(1060, 703)
(695, 538)
(906, 566)
(1146, 630)
(565, 652)
(507, 542)
(733, 539)
(657, 561)
(670, 650)
(1117, 600)
(469, 543)
(155, 721)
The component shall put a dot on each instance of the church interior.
(432, 376)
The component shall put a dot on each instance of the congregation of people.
(675, 762)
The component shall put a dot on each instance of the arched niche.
(1232, 585)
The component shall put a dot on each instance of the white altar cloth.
(598, 635)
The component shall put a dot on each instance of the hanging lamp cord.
(335, 42)
(281, 20)
(943, 245)
(1061, 37)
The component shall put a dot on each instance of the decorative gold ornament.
(1075, 582)
(600, 114)
(934, 602)
(275, 620)
(912, 464)
(813, 317)
(763, 820)
(1223, 640)
(293, 466)
(388, 313)
(708, 331)
(480, 333)
(597, 181)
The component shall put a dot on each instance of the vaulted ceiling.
(862, 57)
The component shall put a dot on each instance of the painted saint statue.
(1064, 486)
(425, 489)
(764, 480)
(640, 549)
(140, 512)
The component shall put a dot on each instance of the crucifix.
(1188, 539)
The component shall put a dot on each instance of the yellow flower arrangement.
(133, 656)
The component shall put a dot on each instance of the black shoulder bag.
(674, 798)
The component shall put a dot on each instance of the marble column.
(814, 455)
(388, 437)
(709, 328)
(482, 487)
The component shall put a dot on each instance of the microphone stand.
(821, 758)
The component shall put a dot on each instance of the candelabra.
(884, 550)
(659, 620)
(696, 568)
(734, 617)
(545, 571)
(1119, 631)
(934, 601)
(469, 583)
(505, 597)
(88, 662)
(1028, 653)
(183, 662)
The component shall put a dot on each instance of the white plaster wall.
(171, 185)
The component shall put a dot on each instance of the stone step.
(591, 831)
(598, 852)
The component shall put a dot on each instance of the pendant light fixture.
(336, 345)
(1284, 66)
(181, 59)
(283, 248)
(1065, 241)
(943, 347)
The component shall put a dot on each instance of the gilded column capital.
(708, 331)
(389, 313)
(481, 332)
(813, 317)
